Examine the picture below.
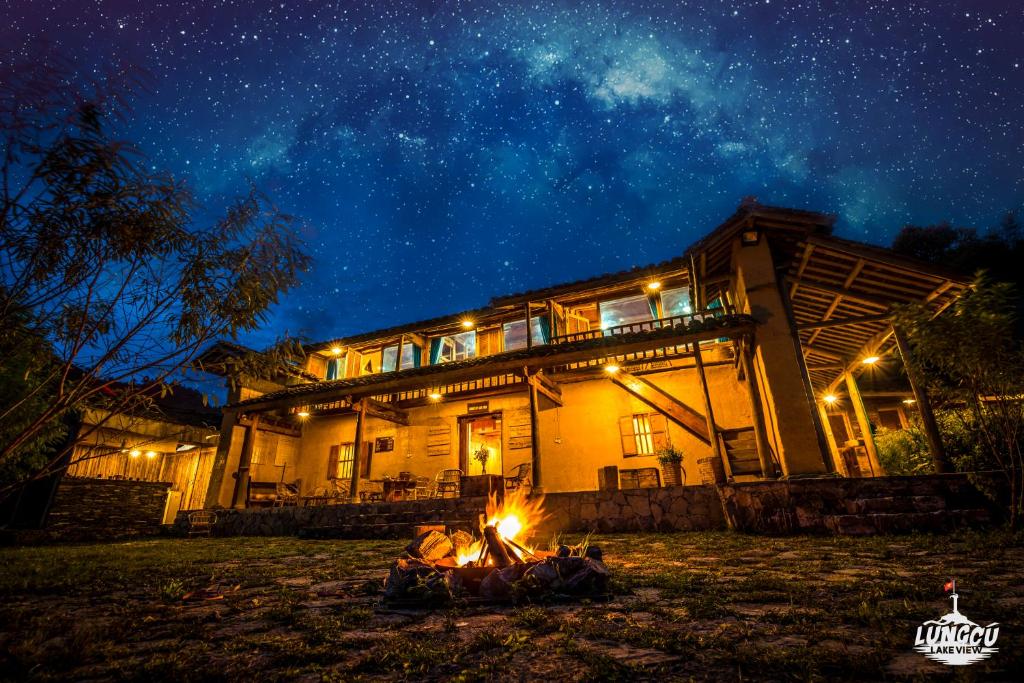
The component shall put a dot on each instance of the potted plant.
(671, 459)
(482, 456)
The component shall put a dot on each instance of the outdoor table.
(398, 489)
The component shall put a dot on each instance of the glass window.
(410, 357)
(676, 302)
(453, 347)
(515, 332)
(631, 309)
(341, 459)
(335, 368)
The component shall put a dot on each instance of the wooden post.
(716, 443)
(865, 424)
(756, 411)
(238, 499)
(924, 406)
(357, 448)
(529, 326)
(552, 330)
(830, 437)
(398, 360)
(535, 476)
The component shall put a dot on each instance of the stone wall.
(673, 508)
(677, 508)
(856, 506)
(105, 509)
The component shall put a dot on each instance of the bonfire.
(498, 562)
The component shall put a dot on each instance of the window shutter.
(352, 363)
(626, 435)
(488, 342)
(659, 430)
(332, 463)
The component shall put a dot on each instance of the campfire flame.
(513, 520)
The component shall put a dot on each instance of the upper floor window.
(515, 332)
(676, 302)
(335, 368)
(453, 347)
(630, 309)
(410, 357)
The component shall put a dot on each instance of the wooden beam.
(808, 250)
(833, 447)
(756, 411)
(378, 409)
(870, 348)
(716, 442)
(924, 407)
(357, 451)
(839, 322)
(665, 403)
(238, 498)
(865, 424)
(546, 389)
(846, 293)
(535, 462)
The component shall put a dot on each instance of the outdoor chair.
(200, 523)
(520, 476)
(423, 488)
(287, 494)
(370, 491)
(448, 481)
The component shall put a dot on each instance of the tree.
(106, 275)
(974, 364)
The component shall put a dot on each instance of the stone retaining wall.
(105, 509)
(856, 506)
(820, 505)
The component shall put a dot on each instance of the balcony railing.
(687, 321)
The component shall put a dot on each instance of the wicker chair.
(423, 488)
(287, 494)
(448, 481)
(201, 522)
(520, 476)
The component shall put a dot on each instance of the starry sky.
(440, 153)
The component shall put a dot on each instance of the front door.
(480, 444)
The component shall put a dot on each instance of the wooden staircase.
(665, 403)
(740, 446)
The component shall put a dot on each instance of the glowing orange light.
(870, 360)
(654, 286)
(434, 396)
(611, 369)
(336, 350)
(303, 414)
(830, 398)
(468, 324)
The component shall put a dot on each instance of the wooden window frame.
(642, 434)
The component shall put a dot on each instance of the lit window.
(335, 368)
(643, 433)
(453, 347)
(676, 302)
(340, 464)
(631, 309)
(515, 332)
(410, 357)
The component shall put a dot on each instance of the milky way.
(442, 153)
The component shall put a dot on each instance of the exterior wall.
(576, 439)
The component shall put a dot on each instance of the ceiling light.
(909, 401)
(611, 369)
(303, 414)
(870, 360)
(336, 350)
(434, 396)
(150, 454)
(135, 453)
(654, 286)
(468, 324)
(830, 398)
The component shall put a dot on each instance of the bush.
(903, 451)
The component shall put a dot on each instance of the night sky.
(442, 153)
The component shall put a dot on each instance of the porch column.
(931, 429)
(830, 437)
(220, 460)
(716, 443)
(756, 411)
(357, 451)
(535, 477)
(239, 499)
(865, 424)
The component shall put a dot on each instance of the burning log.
(497, 566)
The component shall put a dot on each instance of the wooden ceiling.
(842, 294)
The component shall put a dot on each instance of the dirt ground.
(704, 606)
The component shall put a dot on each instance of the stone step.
(866, 524)
(896, 504)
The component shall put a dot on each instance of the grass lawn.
(688, 605)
